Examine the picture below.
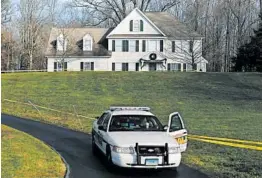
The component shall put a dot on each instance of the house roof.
(75, 41)
(170, 26)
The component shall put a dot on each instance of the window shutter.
(55, 66)
(131, 25)
(127, 45)
(126, 66)
(137, 45)
(123, 66)
(184, 67)
(137, 66)
(143, 45)
(113, 66)
(191, 44)
(123, 45)
(92, 65)
(168, 67)
(113, 45)
(173, 46)
(179, 67)
(81, 66)
(141, 25)
(161, 45)
(65, 66)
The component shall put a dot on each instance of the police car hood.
(129, 138)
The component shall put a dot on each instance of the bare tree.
(32, 20)
(112, 12)
(5, 11)
(185, 51)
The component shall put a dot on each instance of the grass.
(23, 156)
(213, 104)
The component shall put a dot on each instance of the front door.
(152, 66)
(176, 129)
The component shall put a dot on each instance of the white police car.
(133, 137)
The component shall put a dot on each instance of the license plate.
(151, 162)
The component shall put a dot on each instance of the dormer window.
(136, 25)
(61, 43)
(87, 43)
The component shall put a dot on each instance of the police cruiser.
(133, 137)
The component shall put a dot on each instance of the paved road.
(75, 147)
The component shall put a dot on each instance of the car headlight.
(123, 150)
(173, 150)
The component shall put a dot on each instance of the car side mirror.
(100, 127)
(165, 127)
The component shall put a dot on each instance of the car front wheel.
(94, 147)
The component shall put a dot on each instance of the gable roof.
(75, 38)
(171, 27)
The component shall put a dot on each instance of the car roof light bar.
(114, 108)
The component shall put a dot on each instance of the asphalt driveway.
(75, 147)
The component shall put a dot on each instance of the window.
(87, 45)
(118, 45)
(125, 45)
(161, 45)
(124, 66)
(173, 66)
(132, 45)
(176, 123)
(135, 123)
(85, 66)
(59, 66)
(144, 46)
(179, 67)
(101, 119)
(113, 66)
(191, 44)
(113, 45)
(137, 45)
(136, 26)
(173, 46)
(137, 66)
(105, 123)
(61, 43)
(184, 67)
(141, 25)
(131, 25)
(152, 45)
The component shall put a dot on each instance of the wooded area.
(226, 25)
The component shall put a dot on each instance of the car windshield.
(135, 123)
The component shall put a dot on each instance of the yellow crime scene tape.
(228, 139)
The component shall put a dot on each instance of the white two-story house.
(143, 41)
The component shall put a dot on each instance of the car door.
(177, 130)
(103, 133)
(97, 123)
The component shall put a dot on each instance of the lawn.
(213, 104)
(25, 156)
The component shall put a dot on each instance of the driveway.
(75, 147)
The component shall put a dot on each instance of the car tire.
(94, 147)
(110, 164)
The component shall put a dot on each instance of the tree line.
(231, 28)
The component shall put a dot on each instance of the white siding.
(123, 27)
